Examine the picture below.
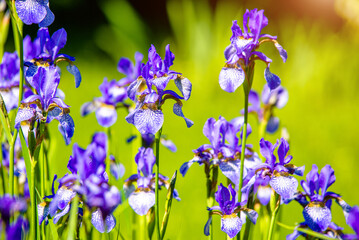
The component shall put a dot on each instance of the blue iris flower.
(228, 209)
(149, 92)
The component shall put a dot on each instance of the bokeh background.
(321, 75)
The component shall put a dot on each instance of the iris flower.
(242, 52)
(228, 209)
(149, 92)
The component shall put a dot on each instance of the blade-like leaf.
(4, 118)
(168, 204)
(304, 230)
(26, 156)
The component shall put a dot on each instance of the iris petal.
(231, 78)
(177, 109)
(106, 115)
(141, 201)
(231, 224)
(24, 114)
(272, 79)
(185, 86)
(98, 223)
(284, 185)
(31, 11)
(148, 120)
(317, 217)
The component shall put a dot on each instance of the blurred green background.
(321, 75)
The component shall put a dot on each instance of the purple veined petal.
(145, 159)
(42, 211)
(24, 114)
(169, 145)
(169, 58)
(76, 72)
(31, 11)
(133, 89)
(184, 85)
(317, 217)
(223, 196)
(211, 130)
(236, 30)
(117, 170)
(151, 97)
(282, 52)
(262, 56)
(62, 213)
(106, 115)
(125, 66)
(242, 44)
(231, 224)
(49, 18)
(185, 166)
(326, 178)
(207, 226)
(286, 186)
(53, 114)
(62, 199)
(146, 120)
(272, 125)
(44, 36)
(231, 78)
(98, 222)
(353, 219)
(264, 194)
(60, 103)
(48, 79)
(57, 42)
(177, 109)
(31, 99)
(230, 54)
(88, 108)
(251, 214)
(161, 82)
(266, 149)
(10, 98)
(67, 125)
(283, 149)
(141, 201)
(231, 169)
(273, 80)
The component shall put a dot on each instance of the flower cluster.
(89, 181)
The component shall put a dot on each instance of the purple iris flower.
(89, 181)
(15, 231)
(242, 52)
(9, 80)
(43, 105)
(228, 209)
(149, 92)
(271, 99)
(34, 11)
(224, 149)
(142, 198)
(44, 51)
(317, 211)
(114, 93)
(277, 175)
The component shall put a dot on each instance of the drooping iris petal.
(61, 214)
(177, 109)
(31, 11)
(185, 86)
(42, 211)
(49, 18)
(273, 80)
(317, 216)
(231, 224)
(207, 226)
(185, 166)
(169, 145)
(231, 78)
(141, 201)
(251, 214)
(231, 169)
(68, 125)
(76, 72)
(353, 219)
(24, 114)
(98, 222)
(282, 52)
(272, 125)
(148, 120)
(284, 184)
(106, 115)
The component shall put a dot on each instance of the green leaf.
(305, 230)
(168, 204)
(26, 156)
(150, 219)
(5, 120)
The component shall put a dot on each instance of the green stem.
(12, 164)
(273, 216)
(108, 160)
(157, 209)
(33, 224)
(73, 218)
(248, 223)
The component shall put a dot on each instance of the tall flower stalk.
(157, 209)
